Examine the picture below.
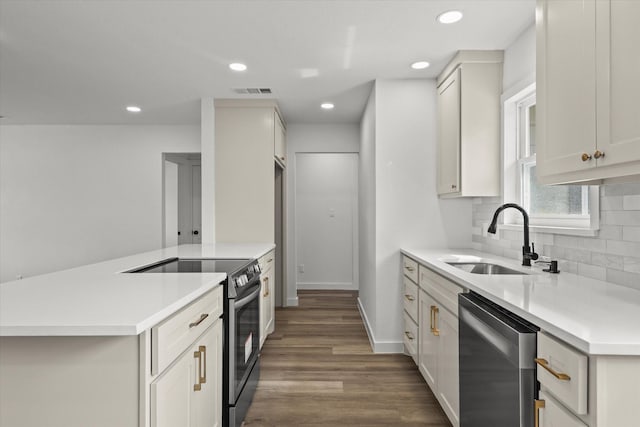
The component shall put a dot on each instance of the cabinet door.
(428, 342)
(448, 386)
(449, 134)
(554, 414)
(264, 279)
(618, 72)
(207, 402)
(566, 86)
(269, 306)
(280, 150)
(171, 394)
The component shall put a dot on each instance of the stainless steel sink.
(485, 268)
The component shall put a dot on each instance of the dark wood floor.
(318, 370)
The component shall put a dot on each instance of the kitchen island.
(82, 346)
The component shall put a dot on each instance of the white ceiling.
(82, 62)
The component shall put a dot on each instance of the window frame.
(515, 104)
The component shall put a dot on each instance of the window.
(559, 206)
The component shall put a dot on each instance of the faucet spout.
(528, 252)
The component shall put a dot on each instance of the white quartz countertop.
(99, 299)
(596, 317)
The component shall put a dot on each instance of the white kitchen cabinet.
(587, 90)
(245, 144)
(280, 146)
(553, 414)
(468, 142)
(410, 300)
(438, 344)
(189, 392)
(267, 298)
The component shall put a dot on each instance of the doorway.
(182, 199)
(326, 225)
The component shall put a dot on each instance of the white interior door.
(326, 200)
(170, 204)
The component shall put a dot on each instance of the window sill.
(568, 231)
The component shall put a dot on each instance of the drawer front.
(410, 337)
(175, 334)
(553, 414)
(410, 298)
(444, 290)
(410, 268)
(562, 371)
(266, 261)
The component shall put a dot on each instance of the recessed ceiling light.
(450, 17)
(237, 66)
(327, 106)
(133, 109)
(420, 65)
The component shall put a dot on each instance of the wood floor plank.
(317, 369)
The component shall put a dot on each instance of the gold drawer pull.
(200, 320)
(585, 157)
(558, 375)
(410, 297)
(598, 154)
(409, 268)
(538, 404)
(409, 335)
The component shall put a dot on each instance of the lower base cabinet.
(189, 393)
(553, 414)
(267, 298)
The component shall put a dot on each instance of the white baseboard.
(378, 346)
(341, 286)
(292, 302)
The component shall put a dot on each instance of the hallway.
(318, 370)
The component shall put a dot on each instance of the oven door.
(244, 338)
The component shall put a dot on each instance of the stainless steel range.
(241, 317)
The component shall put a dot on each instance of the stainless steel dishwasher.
(497, 371)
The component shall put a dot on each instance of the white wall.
(73, 195)
(408, 212)
(520, 59)
(310, 138)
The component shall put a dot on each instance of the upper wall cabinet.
(469, 125)
(588, 87)
(246, 135)
(280, 147)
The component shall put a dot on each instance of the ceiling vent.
(253, 91)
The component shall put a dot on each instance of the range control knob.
(242, 280)
(256, 268)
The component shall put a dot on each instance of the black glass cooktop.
(184, 265)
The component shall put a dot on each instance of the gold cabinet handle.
(409, 335)
(269, 260)
(200, 320)
(434, 320)
(585, 157)
(203, 360)
(198, 386)
(410, 297)
(436, 331)
(266, 287)
(282, 158)
(408, 267)
(558, 375)
(598, 154)
(453, 186)
(537, 405)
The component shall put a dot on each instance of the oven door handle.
(246, 300)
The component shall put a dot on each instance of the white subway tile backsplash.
(631, 234)
(607, 260)
(632, 264)
(631, 203)
(613, 255)
(623, 248)
(613, 203)
(592, 271)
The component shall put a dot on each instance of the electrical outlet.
(301, 268)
